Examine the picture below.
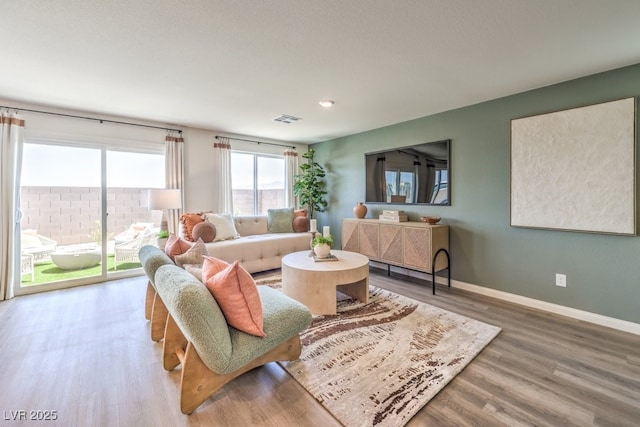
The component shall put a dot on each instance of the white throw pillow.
(225, 227)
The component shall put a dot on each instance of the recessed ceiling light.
(326, 103)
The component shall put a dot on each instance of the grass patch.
(49, 272)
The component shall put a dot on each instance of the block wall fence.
(71, 215)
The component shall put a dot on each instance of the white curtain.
(222, 164)
(174, 174)
(290, 172)
(11, 140)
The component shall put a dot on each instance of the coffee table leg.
(358, 290)
(311, 289)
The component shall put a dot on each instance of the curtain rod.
(90, 118)
(256, 142)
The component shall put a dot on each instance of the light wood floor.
(86, 353)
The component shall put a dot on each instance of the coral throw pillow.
(300, 224)
(188, 221)
(176, 246)
(300, 220)
(211, 266)
(237, 295)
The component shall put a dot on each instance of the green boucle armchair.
(211, 352)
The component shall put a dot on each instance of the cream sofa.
(257, 249)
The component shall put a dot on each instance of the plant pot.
(322, 250)
(161, 243)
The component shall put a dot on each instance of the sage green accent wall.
(603, 271)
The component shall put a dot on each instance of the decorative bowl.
(431, 219)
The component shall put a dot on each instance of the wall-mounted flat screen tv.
(418, 174)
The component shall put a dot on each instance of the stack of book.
(393, 216)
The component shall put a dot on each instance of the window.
(69, 190)
(440, 189)
(399, 183)
(257, 182)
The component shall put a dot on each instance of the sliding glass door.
(84, 212)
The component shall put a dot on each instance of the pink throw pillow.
(237, 295)
(211, 266)
(176, 246)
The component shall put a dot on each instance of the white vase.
(161, 243)
(322, 250)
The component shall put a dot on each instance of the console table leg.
(433, 269)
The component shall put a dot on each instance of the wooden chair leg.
(159, 315)
(148, 301)
(198, 382)
(174, 344)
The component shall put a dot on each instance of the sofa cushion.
(225, 228)
(259, 252)
(280, 220)
(176, 246)
(193, 255)
(251, 225)
(205, 231)
(187, 222)
(237, 295)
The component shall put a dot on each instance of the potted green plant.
(162, 237)
(322, 245)
(309, 186)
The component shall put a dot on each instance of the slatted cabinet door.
(391, 244)
(369, 239)
(417, 248)
(350, 234)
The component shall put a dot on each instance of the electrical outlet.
(561, 280)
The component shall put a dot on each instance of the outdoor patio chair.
(35, 244)
(128, 251)
(134, 231)
(27, 265)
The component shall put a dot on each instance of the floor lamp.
(163, 199)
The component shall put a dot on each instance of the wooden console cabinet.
(410, 245)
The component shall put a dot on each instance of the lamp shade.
(165, 199)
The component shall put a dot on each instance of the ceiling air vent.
(285, 118)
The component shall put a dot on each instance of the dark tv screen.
(417, 174)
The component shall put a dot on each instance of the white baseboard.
(598, 319)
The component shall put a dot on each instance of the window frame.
(255, 190)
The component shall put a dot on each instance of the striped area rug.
(380, 363)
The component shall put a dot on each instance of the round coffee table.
(314, 283)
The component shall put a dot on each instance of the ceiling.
(234, 65)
